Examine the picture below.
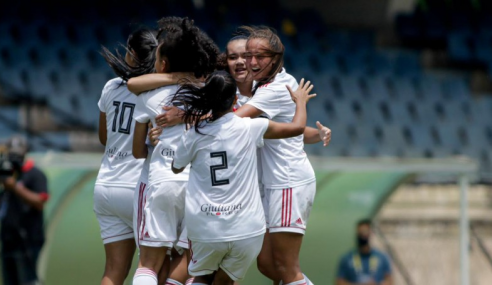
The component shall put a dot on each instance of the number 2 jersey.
(149, 105)
(223, 202)
(118, 166)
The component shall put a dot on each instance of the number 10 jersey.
(118, 166)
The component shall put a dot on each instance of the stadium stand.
(52, 59)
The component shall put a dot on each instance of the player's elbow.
(177, 170)
(132, 86)
(139, 155)
(298, 130)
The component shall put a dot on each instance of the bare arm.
(103, 132)
(321, 133)
(176, 170)
(147, 82)
(248, 111)
(139, 148)
(301, 96)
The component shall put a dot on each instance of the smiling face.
(259, 58)
(236, 60)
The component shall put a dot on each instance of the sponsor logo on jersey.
(115, 154)
(168, 152)
(217, 210)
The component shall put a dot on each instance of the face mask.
(362, 241)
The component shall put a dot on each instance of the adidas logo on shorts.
(299, 221)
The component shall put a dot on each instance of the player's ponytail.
(141, 47)
(208, 102)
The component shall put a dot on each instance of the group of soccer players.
(204, 169)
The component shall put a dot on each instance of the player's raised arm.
(301, 96)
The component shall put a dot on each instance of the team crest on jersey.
(218, 210)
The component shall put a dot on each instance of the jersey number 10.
(223, 165)
(123, 127)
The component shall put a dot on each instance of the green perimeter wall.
(74, 252)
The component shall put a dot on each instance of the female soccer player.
(119, 172)
(224, 215)
(234, 62)
(287, 175)
(183, 48)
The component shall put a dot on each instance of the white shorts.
(287, 210)
(162, 218)
(234, 257)
(114, 211)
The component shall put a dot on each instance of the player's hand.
(9, 183)
(154, 135)
(301, 95)
(170, 118)
(324, 133)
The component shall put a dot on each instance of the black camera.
(9, 164)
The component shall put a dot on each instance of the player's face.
(236, 60)
(259, 60)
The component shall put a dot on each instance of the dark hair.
(186, 47)
(213, 99)
(141, 46)
(364, 222)
(222, 59)
(275, 50)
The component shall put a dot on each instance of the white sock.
(298, 282)
(190, 281)
(145, 276)
(308, 282)
(170, 281)
(198, 283)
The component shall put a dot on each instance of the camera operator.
(21, 213)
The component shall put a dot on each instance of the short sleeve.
(102, 104)
(258, 128)
(36, 181)
(140, 115)
(266, 100)
(183, 154)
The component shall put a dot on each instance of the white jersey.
(149, 105)
(284, 163)
(118, 166)
(241, 99)
(223, 202)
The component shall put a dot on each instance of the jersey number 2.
(223, 165)
(123, 127)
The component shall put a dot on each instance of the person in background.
(25, 192)
(365, 265)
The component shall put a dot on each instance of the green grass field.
(74, 252)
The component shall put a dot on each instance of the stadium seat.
(448, 135)
(351, 88)
(459, 46)
(378, 88)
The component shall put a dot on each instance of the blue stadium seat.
(455, 88)
(421, 136)
(429, 87)
(449, 136)
(478, 136)
(378, 88)
(400, 114)
(407, 63)
(403, 88)
(51, 141)
(351, 87)
(345, 112)
(393, 135)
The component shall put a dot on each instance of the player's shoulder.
(114, 83)
(278, 84)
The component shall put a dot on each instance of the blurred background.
(396, 79)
